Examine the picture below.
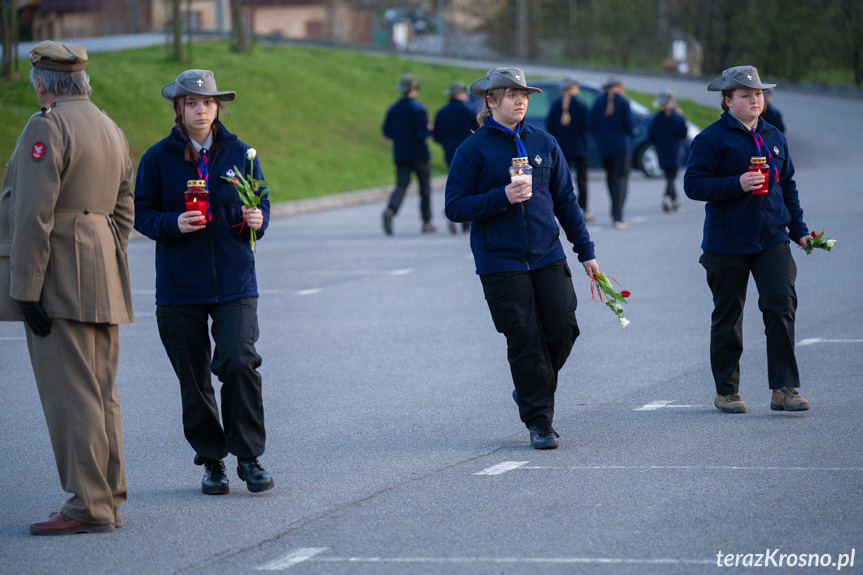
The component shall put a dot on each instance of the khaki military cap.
(57, 56)
(455, 89)
(738, 77)
(197, 83)
(501, 78)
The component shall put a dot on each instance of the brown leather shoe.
(787, 399)
(730, 403)
(59, 524)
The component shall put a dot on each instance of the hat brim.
(482, 86)
(173, 90)
(729, 83)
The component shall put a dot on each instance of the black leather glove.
(36, 317)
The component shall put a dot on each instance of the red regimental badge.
(38, 150)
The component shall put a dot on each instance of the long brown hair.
(190, 153)
(496, 95)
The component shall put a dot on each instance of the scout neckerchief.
(204, 174)
(520, 150)
(759, 142)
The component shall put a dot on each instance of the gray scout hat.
(569, 82)
(663, 98)
(501, 78)
(197, 83)
(612, 81)
(59, 57)
(738, 77)
(455, 89)
(407, 83)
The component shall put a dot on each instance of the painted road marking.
(693, 467)
(398, 272)
(814, 340)
(501, 468)
(311, 291)
(654, 405)
(310, 554)
(292, 558)
(13, 338)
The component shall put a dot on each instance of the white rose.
(830, 244)
(251, 153)
(623, 321)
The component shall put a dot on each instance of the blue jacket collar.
(222, 138)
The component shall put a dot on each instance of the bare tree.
(177, 29)
(239, 31)
(9, 66)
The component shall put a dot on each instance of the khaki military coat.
(66, 211)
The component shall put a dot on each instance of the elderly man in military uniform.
(66, 210)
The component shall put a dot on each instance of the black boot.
(256, 477)
(215, 480)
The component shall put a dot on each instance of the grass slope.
(314, 114)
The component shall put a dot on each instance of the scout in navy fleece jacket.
(745, 233)
(514, 239)
(205, 271)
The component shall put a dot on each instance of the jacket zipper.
(213, 248)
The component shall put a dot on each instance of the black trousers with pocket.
(535, 310)
(184, 333)
(775, 272)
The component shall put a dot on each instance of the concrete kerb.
(334, 201)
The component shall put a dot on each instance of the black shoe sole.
(729, 409)
(258, 488)
(216, 490)
(543, 445)
(782, 407)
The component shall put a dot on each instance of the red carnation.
(625, 293)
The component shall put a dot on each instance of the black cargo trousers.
(535, 310)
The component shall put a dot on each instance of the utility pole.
(440, 27)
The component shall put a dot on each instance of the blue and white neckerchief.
(520, 150)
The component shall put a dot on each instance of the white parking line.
(654, 405)
(292, 558)
(310, 554)
(693, 467)
(501, 468)
(814, 340)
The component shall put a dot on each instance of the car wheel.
(647, 159)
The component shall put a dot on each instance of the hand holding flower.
(254, 217)
(605, 294)
(816, 240)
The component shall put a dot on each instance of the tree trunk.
(177, 27)
(237, 25)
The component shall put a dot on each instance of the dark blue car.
(644, 156)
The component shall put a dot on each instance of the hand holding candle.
(522, 171)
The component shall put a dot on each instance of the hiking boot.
(387, 218)
(543, 437)
(787, 399)
(730, 403)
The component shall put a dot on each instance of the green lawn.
(314, 114)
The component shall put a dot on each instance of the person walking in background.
(667, 132)
(611, 125)
(567, 121)
(771, 113)
(452, 124)
(406, 124)
(205, 270)
(747, 231)
(66, 211)
(514, 239)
